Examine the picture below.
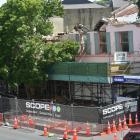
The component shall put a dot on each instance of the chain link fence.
(36, 114)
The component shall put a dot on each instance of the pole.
(72, 114)
(16, 104)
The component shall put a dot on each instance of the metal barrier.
(36, 114)
(1, 118)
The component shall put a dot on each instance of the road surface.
(7, 133)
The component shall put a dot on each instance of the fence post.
(72, 115)
(16, 104)
(33, 109)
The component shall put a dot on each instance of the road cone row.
(65, 136)
(130, 123)
(120, 126)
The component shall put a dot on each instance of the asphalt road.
(7, 133)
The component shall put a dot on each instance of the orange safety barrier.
(45, 132)
(16, 123)
(88, 132)
(108, 128)
(125, 127)
(130, 120)
(1, 118)
(115, 137)
(23, 118)
(75, 137)
(136, 119)
(114, 130)
(120, 125)
(31, 123)
(65, 136)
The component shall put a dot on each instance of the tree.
(22, 51)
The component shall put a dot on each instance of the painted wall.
(128, 27)
(88, 17)
(58, 24)
(110, 57)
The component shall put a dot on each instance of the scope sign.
(40, 106)
(112, 109)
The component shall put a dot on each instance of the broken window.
(102, 42)
(124, 42)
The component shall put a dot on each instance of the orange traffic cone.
(75, 135)
(120, 125)
(15, 126)
(45, 133)
(65, 136)
(115, 137)
(136, 119)
(114, 130)
(108, 128)
(130, 119)
(88, 133)
(125, 127)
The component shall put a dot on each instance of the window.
(124, 41)
(102, 42)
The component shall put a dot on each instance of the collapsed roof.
(124, 15)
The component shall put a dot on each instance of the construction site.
(97, 94)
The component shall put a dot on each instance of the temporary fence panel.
(15, 107)
(110, 112)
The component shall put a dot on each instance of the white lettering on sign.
(112, 109)
(38, 106)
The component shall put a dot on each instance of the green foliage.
(35, 56)
(23, 55)
(58, 52)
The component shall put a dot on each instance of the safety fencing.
(1, 118)
(35, 114)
